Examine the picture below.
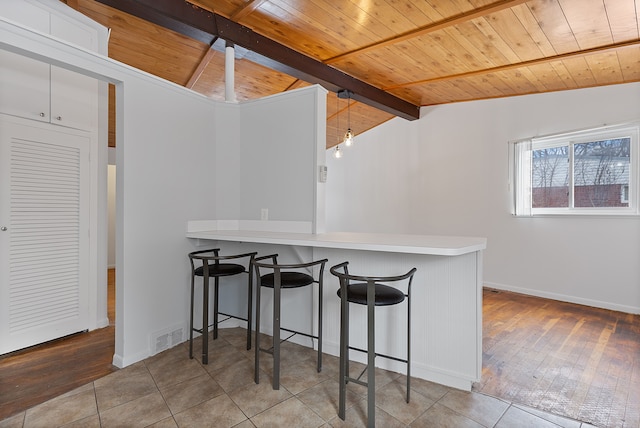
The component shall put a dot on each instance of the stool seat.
(221, 269)
(385, 295)
(287, 280)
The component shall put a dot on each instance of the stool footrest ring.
(298, 332)
(270, 350)
(231, 316)
(358, 381)
(390, 357)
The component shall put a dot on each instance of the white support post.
(229, 73)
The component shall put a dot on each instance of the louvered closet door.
(44, 237)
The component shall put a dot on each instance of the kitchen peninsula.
(446, 312)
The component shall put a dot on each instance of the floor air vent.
(165, 339)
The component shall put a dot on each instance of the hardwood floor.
(566, 359)
(37, 374)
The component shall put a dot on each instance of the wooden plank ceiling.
(424, 52)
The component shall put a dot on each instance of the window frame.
(521, 171)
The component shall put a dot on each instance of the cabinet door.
(24, 87)
(74, 97)
(24, 82)
(44, 216)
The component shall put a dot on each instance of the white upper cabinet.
(38, 91)
(74, 97)
(24, 82)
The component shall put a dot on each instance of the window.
(587, 172)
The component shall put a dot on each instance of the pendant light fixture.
(337, 153)
(348, 136)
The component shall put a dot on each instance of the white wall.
(447, 174)
(168, 166)
(278, 175)
(111, 216)
(165, 171)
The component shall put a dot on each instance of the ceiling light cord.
(348, 136)
(337, 153)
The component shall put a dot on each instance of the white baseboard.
(121, 362)
(117, 361)
(104, 322)
(565, 298)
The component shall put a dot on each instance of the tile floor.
(171, 390)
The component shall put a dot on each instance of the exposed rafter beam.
(247, 9)
(506, 67)
(192, 21)
(295, 84)
(206, 59)
(436, 26)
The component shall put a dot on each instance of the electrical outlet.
(264, 214)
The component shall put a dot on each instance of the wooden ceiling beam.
(271, 54)
(538, 61)
(436, 26)
(206, 59)
(247, 9)
(200, 24)
(194, 22)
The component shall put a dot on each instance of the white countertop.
(396, 243)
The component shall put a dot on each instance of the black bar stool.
(283, 276)
(210, 267)
(368, 291)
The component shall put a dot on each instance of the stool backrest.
(342, 272)
(260, 263)
(213, 255)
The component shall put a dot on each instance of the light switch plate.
(322, 174)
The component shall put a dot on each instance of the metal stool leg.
(371, 356)
(249, 306)
(205, 319)
(256, 376)
(408, 346)
(191, 320)
(216, 293)
(344, 357)
(276, 331)
(347, 359)
(320, 298)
